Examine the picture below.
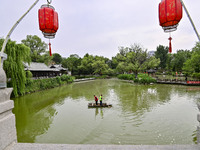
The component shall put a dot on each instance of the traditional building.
(60, 68)
(39, 70)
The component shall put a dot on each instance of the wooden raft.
(93, 105)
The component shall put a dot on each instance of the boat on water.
(93, 105)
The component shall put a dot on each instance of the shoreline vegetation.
(36, 85)
(141, 79)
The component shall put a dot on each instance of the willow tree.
(14, 65)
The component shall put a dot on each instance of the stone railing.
(7, 118)
(198, 127)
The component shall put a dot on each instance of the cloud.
(100, 27)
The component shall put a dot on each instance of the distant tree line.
(184, 61)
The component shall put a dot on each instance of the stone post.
(198, 130)
(198, 127)
(7, 118)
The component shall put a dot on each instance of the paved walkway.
(21, 146)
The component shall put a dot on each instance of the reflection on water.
(141, 114)
(97, 110)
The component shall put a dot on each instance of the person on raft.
(96, 99)
(100, 99)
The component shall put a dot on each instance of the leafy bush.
(142, 78)
(126, 76)
(196, 75)
(42, 84)
(102, 77)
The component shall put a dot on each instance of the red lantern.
(48, 22)
(170, 14)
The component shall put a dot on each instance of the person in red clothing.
(96, 99)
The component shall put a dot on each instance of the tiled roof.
(59, 67)
(38, 67)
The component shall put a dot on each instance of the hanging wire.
(49, 1)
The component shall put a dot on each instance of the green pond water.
(141, 114)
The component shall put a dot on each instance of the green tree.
(46, 58)
(99, 65)
(179, 59)
(135, 60)
(114, 63)
(14, 67)
(57, 58)
(169, 64)
(119, 61)
(72, 63)
(152, 62)
(86, 65)
(161, 53)
(36, 46)
(121, 67)
(123, 50)
(192, 65)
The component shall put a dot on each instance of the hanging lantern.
(48, 21)
(170, 14)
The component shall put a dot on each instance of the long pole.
(14, 26)
(190, 20)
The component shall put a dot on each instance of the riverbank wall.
(188, 83)
(84, 79)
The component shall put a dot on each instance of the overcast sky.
(99, 27)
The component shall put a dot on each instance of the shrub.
(196, 75)
(58, 79)
(126, 76)
(142, 78)
(42, 84)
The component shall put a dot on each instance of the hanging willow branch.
(14, 66)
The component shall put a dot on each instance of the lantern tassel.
(50, 48)
(170, 44)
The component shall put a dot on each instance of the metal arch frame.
(14, 26)
(190, 20)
